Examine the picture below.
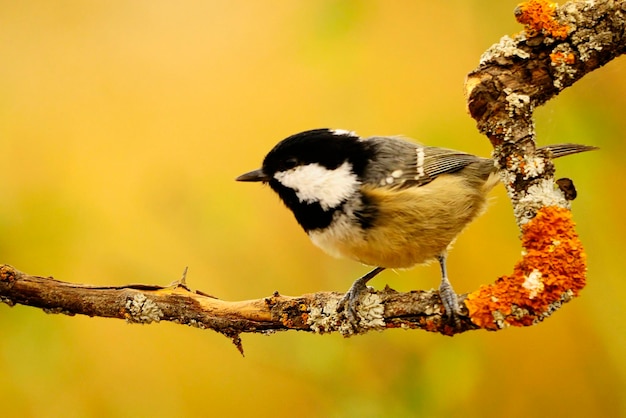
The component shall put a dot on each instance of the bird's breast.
(411, 226)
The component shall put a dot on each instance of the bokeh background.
(122, 128)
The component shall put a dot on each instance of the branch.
(144, 304)
(559, 45)
(557, 48)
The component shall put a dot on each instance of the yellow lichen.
(538, 16)
(558, 58)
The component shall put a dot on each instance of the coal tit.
(382, 201)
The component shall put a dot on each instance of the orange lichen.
(551, 271)
(563, 58)
(7, 274)
(286, 321)
(538, 16)
(429, 324)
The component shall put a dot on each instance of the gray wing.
(400, 163)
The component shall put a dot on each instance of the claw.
(349, 303)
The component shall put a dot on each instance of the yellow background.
(122, 127)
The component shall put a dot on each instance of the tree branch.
(144, 304)
(557, 47)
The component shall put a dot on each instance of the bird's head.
(314, 172)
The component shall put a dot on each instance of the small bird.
(382, 201)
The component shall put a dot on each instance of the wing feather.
(400, 163)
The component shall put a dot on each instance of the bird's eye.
(290, 163)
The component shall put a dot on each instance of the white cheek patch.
(315, 183)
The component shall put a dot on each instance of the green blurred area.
(122, 128)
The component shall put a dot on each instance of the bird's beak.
(255, 175)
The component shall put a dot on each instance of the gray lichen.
(506, 48)
(500, 319)
(555, 306)
(142, 310)
(325, 318)
(371, 312)
(563, 68)
(517, 104)
(539, 195)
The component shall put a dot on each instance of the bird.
(383, 201)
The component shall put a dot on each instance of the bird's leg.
(351, 298)
(446, 292)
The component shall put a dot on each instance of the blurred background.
(122, 128)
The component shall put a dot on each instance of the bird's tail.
(556, 150)
(561, 150)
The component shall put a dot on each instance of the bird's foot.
(350, 302)
(450, 302)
